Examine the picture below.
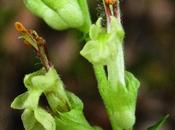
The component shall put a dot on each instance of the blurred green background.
(149, 54)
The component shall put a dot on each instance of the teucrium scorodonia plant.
(104, 48)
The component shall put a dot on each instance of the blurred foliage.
(149, 54)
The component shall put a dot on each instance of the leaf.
(45, 119)
(29, 121)
(28, 99)
(158, 125)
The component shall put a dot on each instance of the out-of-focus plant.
(104, 48)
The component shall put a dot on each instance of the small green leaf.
(28, 99)
(158, 125)
(29, 121)
(45, 119)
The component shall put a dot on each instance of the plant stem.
(85, 10)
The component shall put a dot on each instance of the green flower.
(65, 110)
(101, 48)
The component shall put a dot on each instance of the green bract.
(61, 14)
(101, 49)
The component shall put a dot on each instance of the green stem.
(87, 18)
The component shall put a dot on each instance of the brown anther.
(19, 27)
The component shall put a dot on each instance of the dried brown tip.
(20, 27)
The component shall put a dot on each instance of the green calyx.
(121, 102)
(62, 14)
(101, 48)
